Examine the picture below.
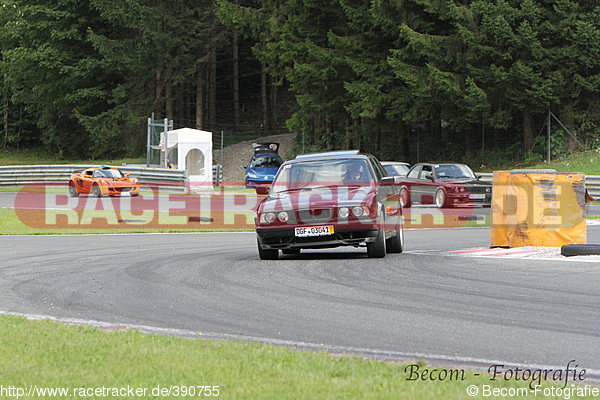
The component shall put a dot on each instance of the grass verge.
(95, 363)
(587, 162)
(42, 157)
(40, 222)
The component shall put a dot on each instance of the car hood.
(116, 182)
(263, 171)
(467, 182)
(322, 197)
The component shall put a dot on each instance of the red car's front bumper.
(285, 238)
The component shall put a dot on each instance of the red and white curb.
(525, 253)
(518, 252)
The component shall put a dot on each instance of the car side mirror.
(127, 174)
(245, 167)
(387, 181)
(478, 176)
(262, 190)
(430, 177)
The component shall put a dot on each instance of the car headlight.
(358, 211)
(270, 217)
(104, 182)
(343, 212)
(253, 176)
(283, 216)
(135, 181)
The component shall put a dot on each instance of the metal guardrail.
(173, 179)
(592, 183)
(170, 179)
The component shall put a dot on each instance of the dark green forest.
(402, 79)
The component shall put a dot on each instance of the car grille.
(320, 215)
(123, 189)
(479, 189)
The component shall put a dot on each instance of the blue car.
(264, 165)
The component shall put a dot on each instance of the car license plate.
(477, 196)
(315, 231)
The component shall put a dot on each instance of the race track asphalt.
(533, 312)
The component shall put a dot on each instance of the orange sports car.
(100, 181)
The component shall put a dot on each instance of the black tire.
(96, 190)
(72, 190)
(267, 254)
(440, 198)
(376, 249)
(396, 244)
(290, 251)
(405, 197)
(569, 250)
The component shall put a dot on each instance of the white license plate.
(477, 196)
(315, 231)
(125, 194)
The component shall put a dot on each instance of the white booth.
(191, 149)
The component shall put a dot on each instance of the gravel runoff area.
(238, 155)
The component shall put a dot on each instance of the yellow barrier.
(538, 208)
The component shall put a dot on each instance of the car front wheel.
(440, 198)
(73, 190)
(96, 190)
(268, 254)
(376, 249)
(395, 244)
(404, 197)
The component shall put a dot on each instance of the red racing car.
(327, 200)
(443, 185)
(101, 181)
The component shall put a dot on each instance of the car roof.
(95, 168)
(439, 163)
(331, 155)
(393, 162)
(103, 167)
(446, 162)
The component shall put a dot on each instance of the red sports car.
(100, 181)
(443, 185)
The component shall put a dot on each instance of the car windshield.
(312, 174)
(396, 169)
(108, 173)
(266, 161)
(453, 171)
